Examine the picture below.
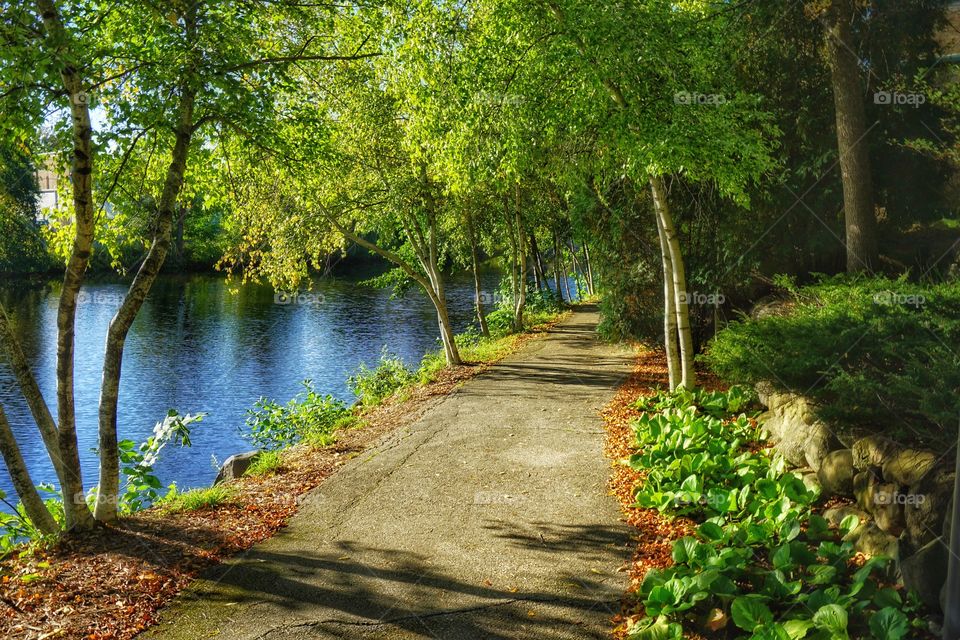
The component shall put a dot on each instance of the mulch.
(654, 533)
(110, 584)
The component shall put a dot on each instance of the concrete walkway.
(486, 518)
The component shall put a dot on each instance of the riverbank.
(111, 584)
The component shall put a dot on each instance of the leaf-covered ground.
(110, 584)
(654, 533)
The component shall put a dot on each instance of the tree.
(860, 221)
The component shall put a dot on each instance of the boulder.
(872, 541)
(873, 451)
(926, 572)
(795, 431)
(888, 508)
(836, 472)
(864, 485)
(836, 515)
(908, 466)
(925, 506)
(235, 466)
(812, 483)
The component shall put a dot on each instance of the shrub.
(308, 417)
(873, 352)
(373, 386)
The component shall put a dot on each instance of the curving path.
(488, 517)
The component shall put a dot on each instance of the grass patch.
(195, 499)
(267, 463)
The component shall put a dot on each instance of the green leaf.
(659, 629)
(711, 531)
(832, 618)
(889, 624)
(797, 629)
(749, 613)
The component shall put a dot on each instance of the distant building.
(47, 181)
(949, 36)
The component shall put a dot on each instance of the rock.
(235, 466)
(794, 429)
(873, 451)
(874, 542)
(925, 506)
(888, 508)
(812, 483)
(836, 515)
(926, 572)
(864, 484)
(836, 472)
(908, 466)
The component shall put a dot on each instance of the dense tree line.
(660, 152)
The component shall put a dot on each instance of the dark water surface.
(201, 345)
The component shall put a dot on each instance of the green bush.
(759, 557)
(308, 417)
(872, 352)
(373, 386)
(267, 463)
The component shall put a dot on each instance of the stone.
(836, 515)
(907, 467)
(872, 541)
(888, 508)
(235, 466)
(926, 505)
(864, 485)
(873, 451)
(812, 482)
(926, 572)
(836, 472)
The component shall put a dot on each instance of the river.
(201, 345)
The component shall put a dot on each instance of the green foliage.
(195, 499)
(267, 463)
(142, 487)
(759, 554)
(373, 386)
(308, 417)
(874, 352)
(21, 243)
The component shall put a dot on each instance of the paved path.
(486, 518)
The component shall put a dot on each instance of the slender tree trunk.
(576, 270)
(688, 376)
(860, 218)
(76, 512)
(521, 306)
(538, 270)
(109, 490)
(586, 264)
(475, 265)
(33, 505)
(557, 265)
(447, 335)
(31, 393)
(669, 311)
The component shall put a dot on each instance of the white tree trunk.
(688, 376)
(669, 311)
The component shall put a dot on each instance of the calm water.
(200, 345)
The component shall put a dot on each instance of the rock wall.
(902, 496)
